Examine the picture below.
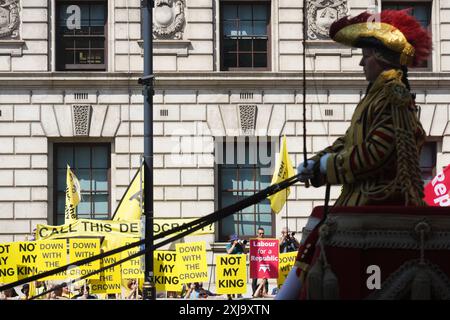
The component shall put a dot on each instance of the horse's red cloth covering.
(350, 264)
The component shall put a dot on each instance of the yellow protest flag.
(129, 207)
(283, 170)
(73, 196)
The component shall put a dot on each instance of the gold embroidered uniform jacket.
(364, 160)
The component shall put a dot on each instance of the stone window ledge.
(11, 47)
(327, 47)
(179, 48)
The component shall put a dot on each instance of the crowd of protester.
(132, 291)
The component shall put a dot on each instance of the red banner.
(437, 190)
(264, 258)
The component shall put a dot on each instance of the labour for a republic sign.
(436, 192)
(264, 258)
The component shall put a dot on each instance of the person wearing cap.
(235, 246)
(377, 160)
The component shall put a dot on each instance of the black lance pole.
(149, 292)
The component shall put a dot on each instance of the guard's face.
(370, 64)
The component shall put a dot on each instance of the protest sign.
(264, 258)
(89, 228)
(8, 272)
(166, 273)
(436, 192)
(231, 274)
(161, 225)
(191, 261)
(286, 262)
(26, 258)
(131, 269)
(110, 280)
(52, 255)
(80, 249)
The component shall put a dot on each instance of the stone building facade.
(203, 103)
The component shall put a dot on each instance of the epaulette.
(397, 94)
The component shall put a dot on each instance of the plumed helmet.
(394, 32)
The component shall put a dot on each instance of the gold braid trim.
(405, 122)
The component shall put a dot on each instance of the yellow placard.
(8, 272)
(26, 258)
(166, 224)
(231, 274)
(191, 261)
(89, 228)
(166, 273)
(131, 269)
(110, 280)
(80, 249)
(52, 255)
(285, 264)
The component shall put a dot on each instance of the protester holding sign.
(255, 280)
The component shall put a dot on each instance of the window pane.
(82, 157)
(245, 60)
(260, 45)
(230, 60)
(247, 225)
(229, 45)
(260, 60)
(230, 28)
(84, 207)
(100, 180)
(97, 44)
(68, 43)
(245, 45)
(245, 12)
(259, 12)
(61, 202)
(259, 28)
(65, 157)
(245, 28)
(97, 30)
(100, 204)
(98, 12)
(229, 181)
(264, 207)
(84, 176)
(69, 57)
(60, 219)
(247, 179)
(81, 43)
(100, 157)
(228, 199)
(228, 225)
(96, 57)
(61, 180)
(230, 11)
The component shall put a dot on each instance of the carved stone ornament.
(321, 14)
(9, 19)
(169, 19)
